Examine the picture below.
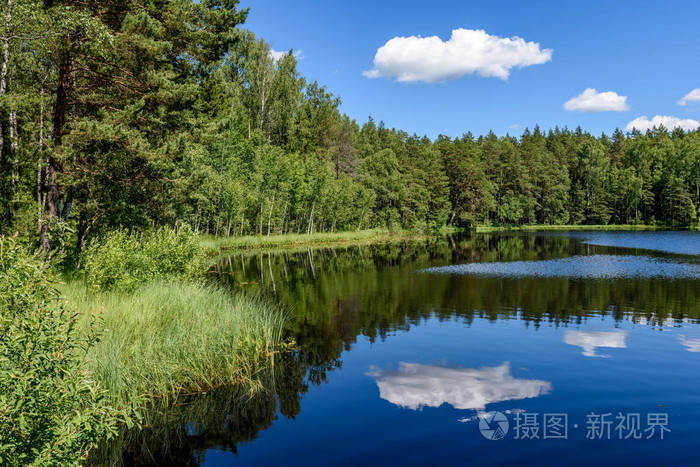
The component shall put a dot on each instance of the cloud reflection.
(691, 345)
(589, 341)
(582, 267)
(415, 385)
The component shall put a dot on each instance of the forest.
(158, 113)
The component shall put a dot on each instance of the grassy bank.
(289, 241)
(546, 227)
(174, 338)
(261, 242)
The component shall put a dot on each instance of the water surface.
(423, 353)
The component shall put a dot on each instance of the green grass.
(537, 227)
(171, 339)
(262, 242)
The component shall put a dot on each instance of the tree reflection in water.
(336, 295)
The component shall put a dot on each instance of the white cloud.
(692, 96)
(468, 51)
(643, 123)
(276, 54)
(415, 385)
(591, 100)
(589, 341)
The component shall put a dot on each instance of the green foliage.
(51, 411)
(121, 260)
(169, 112)
(380, 174)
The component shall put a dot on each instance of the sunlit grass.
(170, 339)
(257, 242)
(537, 227)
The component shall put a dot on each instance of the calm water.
(519, 349)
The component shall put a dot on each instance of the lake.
(575, 348)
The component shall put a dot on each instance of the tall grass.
(169, 339)
(257, 242)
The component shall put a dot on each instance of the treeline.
(154, 112)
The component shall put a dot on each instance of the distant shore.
(544, 227)
(337, 239)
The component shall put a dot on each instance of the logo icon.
(493, 425)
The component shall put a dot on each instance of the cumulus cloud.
(415, 385)
(589, 341)
(591, 100)
(467, 52)
(276, 54)
(643, 123)
(692, 96)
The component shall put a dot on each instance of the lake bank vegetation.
(137, 326)
(555, 227)
(323, 239)
(172, 339)
(224, 244)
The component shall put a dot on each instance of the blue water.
(414, 398)
(466, 351)
(684, 243)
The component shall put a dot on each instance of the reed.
(172, 339)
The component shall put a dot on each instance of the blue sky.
(648, 52)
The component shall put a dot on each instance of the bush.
(50, 411)
(121, 260)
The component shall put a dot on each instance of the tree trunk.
(54, 167)
(262, 106)
(39, 187)
(82, 232)
(311, 218)
(284, 219)
(452, 217)
(12, 118)
(261, 215)
(269, 217)
(359, 224)
(3, 67)
(68, 204)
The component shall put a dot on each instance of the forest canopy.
(151, 112)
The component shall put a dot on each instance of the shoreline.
(214, 245)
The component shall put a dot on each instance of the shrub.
(50, 411)
(123, 260)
